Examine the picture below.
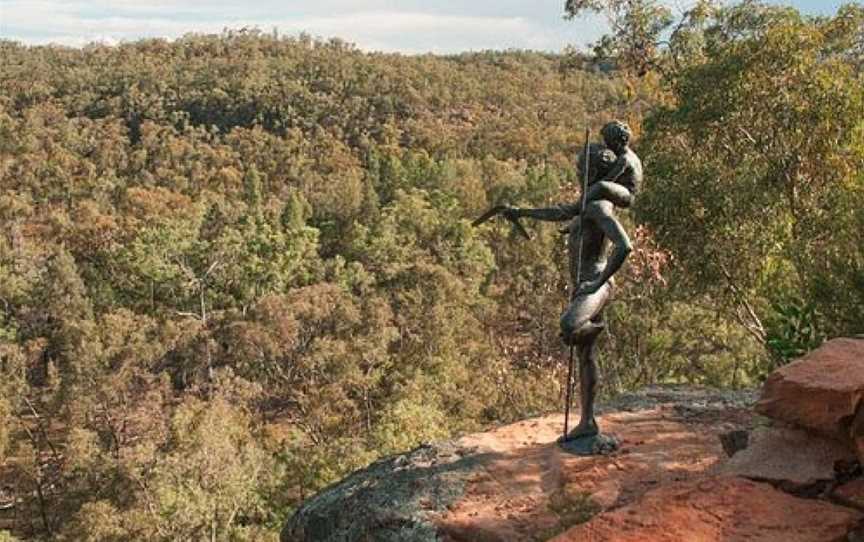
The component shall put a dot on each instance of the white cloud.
(389, 25)
(407, 25)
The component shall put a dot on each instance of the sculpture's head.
(616, 135)
(600, 161)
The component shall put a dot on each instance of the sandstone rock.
(533, 491)
(391, 500)
(850, 494)
(723, 509)
(515, 484)
(792, 458)
(821, 391)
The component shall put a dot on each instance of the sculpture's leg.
(586, 438)
(588, 379)
(581, 324)
(619, 195)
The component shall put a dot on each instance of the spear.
(578, 278)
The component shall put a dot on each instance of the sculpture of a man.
(615, 173)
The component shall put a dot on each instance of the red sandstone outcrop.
(529, 489)
(821, 392)
(790, 458)
(851, 494)
(670, 481)
(821, 395)
(719, 510)
(515, 483)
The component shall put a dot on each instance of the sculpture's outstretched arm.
(601, 212)
(559, 213)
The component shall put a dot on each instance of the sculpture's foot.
(586, 428)
(596, 444)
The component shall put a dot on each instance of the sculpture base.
(599, 444)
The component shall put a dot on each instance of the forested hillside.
(234, 268)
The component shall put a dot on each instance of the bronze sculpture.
(613, 174)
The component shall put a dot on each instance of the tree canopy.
(234, 268)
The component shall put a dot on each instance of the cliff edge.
(694, 464)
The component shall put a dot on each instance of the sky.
(407, 26)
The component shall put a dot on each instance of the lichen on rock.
(390, 500)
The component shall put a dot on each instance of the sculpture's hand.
(589, 287)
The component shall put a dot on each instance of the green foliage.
(6, 418)
(636, 29)
(208, 477)
(235, 268)
(757, 186)
(792, 330)
(405, 424)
